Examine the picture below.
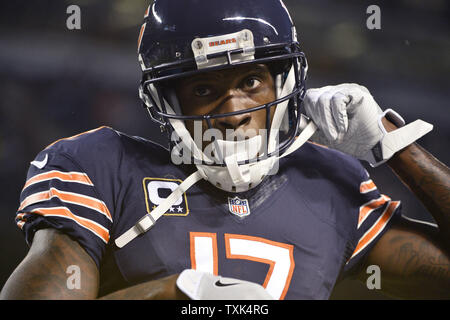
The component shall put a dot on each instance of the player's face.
(227, 91)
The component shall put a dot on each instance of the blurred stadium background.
(56, 82)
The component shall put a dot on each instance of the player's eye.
(251, 83)
(202, 91)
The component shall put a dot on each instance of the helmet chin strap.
(147, 221)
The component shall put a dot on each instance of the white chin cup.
(224, 151)
(233, 177)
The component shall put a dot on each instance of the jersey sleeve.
(59, 193)
(373, 218)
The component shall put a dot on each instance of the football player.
(253, 197)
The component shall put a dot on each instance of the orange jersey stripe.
(367, 186)
(78, 177)
(21, 223)
(366, 209)
(375, 230)
(76, 136)
(92, 226)
(68, 197)
(20, 216)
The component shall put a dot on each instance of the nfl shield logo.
(238, 207)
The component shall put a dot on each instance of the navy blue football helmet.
(182, 38)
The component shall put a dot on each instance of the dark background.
(56, 82)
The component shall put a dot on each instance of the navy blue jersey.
(297, 233)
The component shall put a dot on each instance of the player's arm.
(428, 179)
(43, 274)
(414, 258)
(413, 262)
(349, 120)
(195, 285)
(161, 289)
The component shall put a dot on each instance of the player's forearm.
(425, 271)
(28, 283)
(161, 289)
(413, 263)
(55, 268)
(429, 179)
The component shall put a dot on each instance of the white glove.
(199, 285)
(349, 120)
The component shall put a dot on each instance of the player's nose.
(238, 121)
